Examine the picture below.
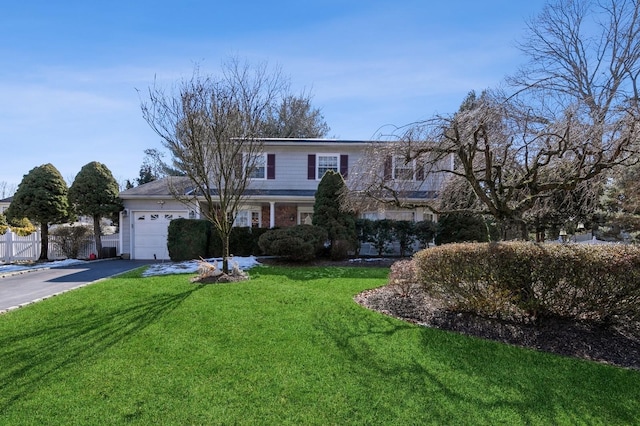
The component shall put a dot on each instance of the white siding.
(291, 166)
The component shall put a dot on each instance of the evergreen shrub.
(462, 227)
(243, 241)
(188, 239)
(299, 243)
(340, 249)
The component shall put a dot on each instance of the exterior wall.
(286, 215)
(291, 165)
(266, 211)
(127, 225)
(291, 174)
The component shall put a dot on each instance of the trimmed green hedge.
(188, 239)
(529, 281)
(242, 242)
(194, 238)
(300, 243)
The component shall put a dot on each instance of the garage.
(150, 230)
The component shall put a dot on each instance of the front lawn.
(290, 346)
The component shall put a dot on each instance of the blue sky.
(70, 69)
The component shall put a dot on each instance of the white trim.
(411, 165)
(325, 154)
(248, 211)
(272, 214)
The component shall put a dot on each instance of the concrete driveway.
(26, 287)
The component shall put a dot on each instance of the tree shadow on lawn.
(306, 272)
(451, 376)
(33, 355)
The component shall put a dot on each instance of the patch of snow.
(191, 266)
(12, 267)
(367, 259)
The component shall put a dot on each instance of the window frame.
(247, 215)
(398, 164)
(245, 159)
(337, 168)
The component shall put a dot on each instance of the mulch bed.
(615, 345)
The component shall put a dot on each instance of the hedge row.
(299, 243)
(194, 238)
(384, 232)
(528, 281)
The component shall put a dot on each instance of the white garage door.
(150, 231)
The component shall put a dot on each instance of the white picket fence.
(16, 248)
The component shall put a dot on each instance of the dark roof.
(158, 188)
(7, 200)
(312, 141)
(167, 186)
(276, 192)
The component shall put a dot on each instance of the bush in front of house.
(425, 232)
(381, 235)
(364, 231)
(328, 214)
(528, 281)
(404, 232)
(298, 243)
(463, 227)
(196, 238)
(243, 241)
(341, 249)
(403, 276)
(188, 239)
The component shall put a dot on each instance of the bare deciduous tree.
(572, 117)
(7, 189)
(211, 126)
(295, 117)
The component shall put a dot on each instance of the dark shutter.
(344, 165)
(271, 166)
(419, 169)
(311, 167)
(387, 168)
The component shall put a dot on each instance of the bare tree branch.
(212, 127)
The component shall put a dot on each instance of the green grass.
(290, 346)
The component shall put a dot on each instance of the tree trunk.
(524, 232)
(44, 241)
(225, 253)
(97, 235)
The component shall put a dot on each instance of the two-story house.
(281, 193)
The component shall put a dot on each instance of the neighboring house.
(281, 194)
(4, 204)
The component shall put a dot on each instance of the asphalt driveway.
(27, 287)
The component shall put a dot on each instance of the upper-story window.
(326, 162)
(319, 164)
(403, 170)
(258, 165)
